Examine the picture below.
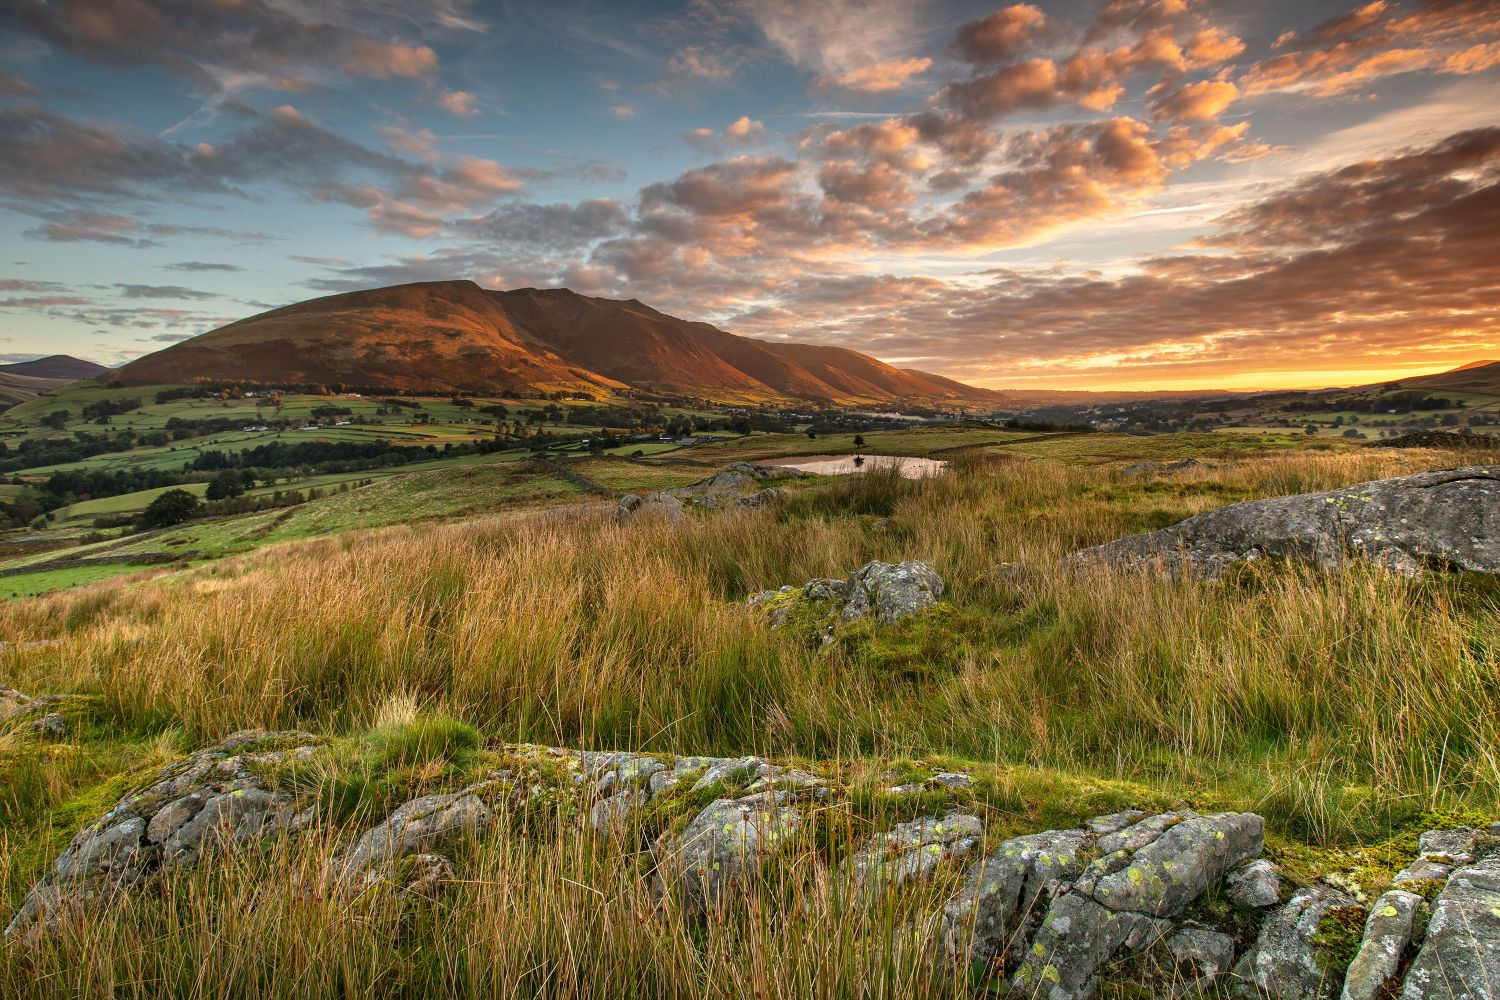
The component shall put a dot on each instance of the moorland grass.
(1348, 707)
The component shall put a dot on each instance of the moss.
(1337, 939)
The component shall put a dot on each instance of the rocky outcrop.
(741, 484)
(1442, 520)
(1460, 956)
(1285, 962)
(208, 801)
(887, 592)
(1127, 897)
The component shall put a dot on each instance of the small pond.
(841, 465)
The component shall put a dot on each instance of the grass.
(1350, 708)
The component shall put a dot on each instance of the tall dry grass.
(580, 631)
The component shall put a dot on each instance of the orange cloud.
(877, 78)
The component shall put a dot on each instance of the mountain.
(16, 389)
(57, 366)
(456, 336)
(1477, 376)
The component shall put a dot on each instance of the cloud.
(743, 131)
(877, 78)
(203, 266)
(130, 291)
(228, 46)
(1001, 36)
(1195, 102)
(622, 110)
(14, 86)
(459, 103)
(1379, 40)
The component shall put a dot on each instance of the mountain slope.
(57, 366)
(1477, 376)
(16, 389)
(456, 336)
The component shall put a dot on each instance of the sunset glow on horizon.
(1122, 195)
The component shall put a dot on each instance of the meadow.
(1352, 709)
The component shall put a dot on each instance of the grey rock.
(663, 506)
(211, 799)
(1448, 519)
(1205, 954)
(51, 727)
(891, 591)
(1422, 869)
(1007, 893)
(1283, 962)
(768, 497)
(888, 592)
(723, 847)
(947, 779)
(1134, 836)
(1376, 969)
(1114, 822)
(744, 769)
(1450, 847)
(609, 815)
(1137, 469)
(1074, 942)
(1460, 956)
(1254, 886)
(913, 850)
(417, 826)
(1174, 868)
(738, 484)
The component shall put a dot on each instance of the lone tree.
(172, 507)
(859, 440)
(225, 485)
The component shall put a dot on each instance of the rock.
(768, 497)
(1376, 969)
(947, 779)
(1421, 870)
(737, 484)
(1137, 469)
(1448, 519)
(210, 800)
(1450, 847)
(1147, 873)
(12, 701)
(1254, 886)
(426, 874)
(891, 591)
(1075, 940)
(913, 850)
(1284, 962)
(663, 506)
(1007, 892)
(416, 826)
(51, 727)
(723, 847)
(609, 815)
(1161, 877)
(1206, 954)
(1114, 822)
(1460, 956)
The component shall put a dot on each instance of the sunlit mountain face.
(1127, 194)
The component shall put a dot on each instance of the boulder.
(1448, 520)
(1146, 874)
(1284, 962)
(723, 847)
(737, 484)
(888, 592)
(1460, 956)
(210, 800)
(1006, 893)
(1376, 969)
(913, 850)
(1203, 955)
(415, 827)
(1254, 886)
(662, 506)
(51, 727)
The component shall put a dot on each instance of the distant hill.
(456, 336)
(15, 389)
(57, 366)
(1477, 376)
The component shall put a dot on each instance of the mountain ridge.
(458, 336)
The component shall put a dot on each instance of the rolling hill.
(456, 336)
(1477, 376)
(57, 366)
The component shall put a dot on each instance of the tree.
(172, 507)
(859, 440)
(56, 420)
(225, 485)
(812, 435)
(1310, 430)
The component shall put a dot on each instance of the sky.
(1085, 194)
